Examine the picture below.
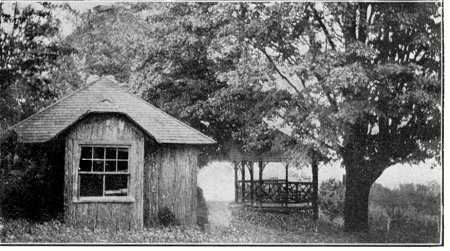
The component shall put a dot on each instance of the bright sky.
(217, 179)
(85, 5)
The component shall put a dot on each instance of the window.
(103, 171)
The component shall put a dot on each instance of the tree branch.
(332, 101)
(301, 79)
(322, 25)
(278, 70)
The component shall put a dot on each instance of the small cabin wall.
(123, 213)
(170, 181)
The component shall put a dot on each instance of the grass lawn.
(236, 226)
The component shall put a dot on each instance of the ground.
(229, 224)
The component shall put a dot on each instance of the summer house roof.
(104, 95)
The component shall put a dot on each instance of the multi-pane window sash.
(103, 171)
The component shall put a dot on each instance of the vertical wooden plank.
(243, 181)
(315, 176)
(68, 212)
(139, 188)
(250, 169)
(156, 176)
(176, 167)
(287, 185)
(236, 192)
(260, 188)
(195, 170)
(147, 186)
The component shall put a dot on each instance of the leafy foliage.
(34, 188)
(166, 217)
(181, 58)
(202, 210)
(247, 227)
(30, 54)
(425, 199)
(331, 198)
(410, 213)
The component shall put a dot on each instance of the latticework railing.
(270, 191)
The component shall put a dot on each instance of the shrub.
(331, 198)
(32, 194)
(425, 199)
(31, 181)
(166, 217)
(202, 209)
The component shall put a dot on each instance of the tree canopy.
(30, 57)
(173, 56)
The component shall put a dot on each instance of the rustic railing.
(274, 191)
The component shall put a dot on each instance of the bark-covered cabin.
(124, 159)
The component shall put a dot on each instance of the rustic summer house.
(124, 159)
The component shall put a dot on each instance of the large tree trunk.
(361, 172)
(360, 177)
(356, 205)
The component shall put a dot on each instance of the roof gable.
(104, 95)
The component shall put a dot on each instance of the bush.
(33, 194)
(166, 217)
(331, 198)
(425, 199)
(31, 182)
(202, 209)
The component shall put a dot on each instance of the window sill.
(109, 199)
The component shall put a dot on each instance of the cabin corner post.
(315, 188)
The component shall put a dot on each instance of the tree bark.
(356, 205)
(360, 177)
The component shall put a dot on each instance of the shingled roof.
(104, 95)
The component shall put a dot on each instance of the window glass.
(122, 153)
(99, 152)
(116, 185)
(86, 152)
(110, 166)
(98, 166)
(122, 166)
(103, 171)
(111, 153)
(85, 165)
(91, 185)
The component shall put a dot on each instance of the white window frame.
(77, 197)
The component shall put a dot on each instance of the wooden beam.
(252, 187)
(315, 195)
(260, 185)
(260, 169)
(287, 166)
(287, 185)
(243, 181)
(236, 192)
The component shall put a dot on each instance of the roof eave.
(159, 141)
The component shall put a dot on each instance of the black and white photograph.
(222, 123)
